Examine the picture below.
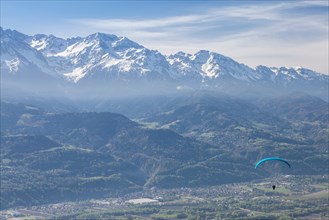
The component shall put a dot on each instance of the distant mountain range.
(108, 58)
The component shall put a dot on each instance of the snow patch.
(76, 74)
(13, 64)
(74, 49)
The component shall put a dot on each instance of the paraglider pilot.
(272, 158)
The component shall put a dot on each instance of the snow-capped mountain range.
(108, 57)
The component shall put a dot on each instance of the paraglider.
(270, 159)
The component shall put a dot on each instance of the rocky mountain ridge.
(109, 57)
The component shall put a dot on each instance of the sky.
(271, 33)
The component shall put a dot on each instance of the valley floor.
(296, 197)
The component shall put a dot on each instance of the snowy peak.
(107, 57)
(18, 56)
(124, 43)
(304, 73)
(47, 44)
(111, 41)
(289, 74)
(209, 66)
(182, 67)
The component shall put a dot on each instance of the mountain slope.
(216, 118)
(70, 156)
(36, 170)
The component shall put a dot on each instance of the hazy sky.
(271, 33)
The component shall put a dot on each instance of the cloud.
(262, 31)
(227, 20)
(141, 23)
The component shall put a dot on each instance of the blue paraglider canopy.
(272, 158)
